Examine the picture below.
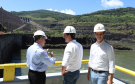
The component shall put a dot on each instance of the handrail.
(130, 72)
(9, 69)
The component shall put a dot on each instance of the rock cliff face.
(9, 21)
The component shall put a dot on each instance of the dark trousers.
(36, 77)
(71, 77)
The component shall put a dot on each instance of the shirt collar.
(73, 41)
(38, 45)
(100, 43)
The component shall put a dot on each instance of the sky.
(73, 7)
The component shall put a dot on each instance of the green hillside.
(117, 21)
(120, 15)
(43, 15)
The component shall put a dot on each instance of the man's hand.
(64, 72)
(51, 54)
(88, 76)
(109, 82)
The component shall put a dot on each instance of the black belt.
(36, 71)
(98, 71)
(73, 71)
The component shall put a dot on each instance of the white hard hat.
(40, 32)
(99, 28)
(69, 29)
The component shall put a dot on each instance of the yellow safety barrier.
(9, 69)
(132, 73)
(9, 72)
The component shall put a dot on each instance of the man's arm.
(63, 71)
(111, 66)
(49, 61)
(110, 80)
(88, 75)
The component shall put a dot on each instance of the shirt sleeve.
(67, 54)
(111, 60)
(49, 61)
(89, 63)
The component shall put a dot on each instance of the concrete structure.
(8, 42)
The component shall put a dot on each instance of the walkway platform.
(56, 78)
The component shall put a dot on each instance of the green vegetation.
(42, 15)
(119, 24)
(121, 15)
(117, 21)
(17, 31)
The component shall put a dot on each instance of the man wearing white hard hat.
(72, 58)
(38, 59)
(102, 59)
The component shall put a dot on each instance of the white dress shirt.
(102, 57)
(73, 55)
(38, 59)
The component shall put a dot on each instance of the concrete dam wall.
(7, 45)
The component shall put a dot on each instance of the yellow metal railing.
(130, 72)
(9, 69)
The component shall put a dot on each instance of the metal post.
(9, 72)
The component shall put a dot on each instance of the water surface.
(124, 58)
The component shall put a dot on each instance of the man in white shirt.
(38, 59)
(72, 57)
(102, 59)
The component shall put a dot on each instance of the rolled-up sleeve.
(67, 54)
(49, 61)
(111, 60)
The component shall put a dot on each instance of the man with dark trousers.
(72, 58)
(38, 59)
